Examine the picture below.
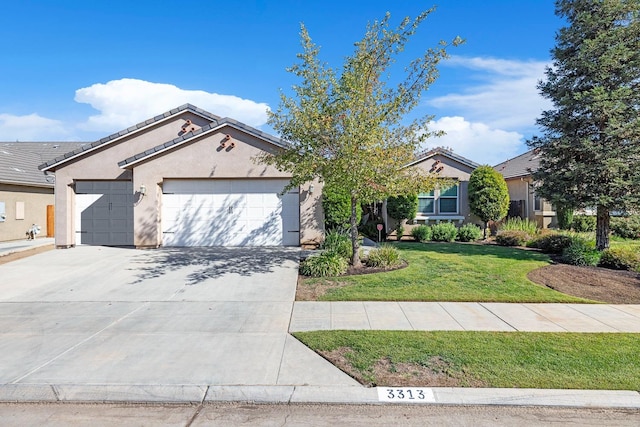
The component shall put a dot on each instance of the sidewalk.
(13, 246)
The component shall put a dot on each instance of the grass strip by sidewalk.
(450, 272)
(490, 359)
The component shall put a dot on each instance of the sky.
(73, 70)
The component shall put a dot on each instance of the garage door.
(221, 212)
(104, 213)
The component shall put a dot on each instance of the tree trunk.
(355, 258)
(602, 228)
(486, 225)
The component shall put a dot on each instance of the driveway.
(98, 316)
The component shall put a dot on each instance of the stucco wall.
(35, 201)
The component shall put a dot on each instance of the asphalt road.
(237, 414)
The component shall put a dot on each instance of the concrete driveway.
(93, 317)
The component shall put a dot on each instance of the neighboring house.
(182, 178)
(518, 173)
(449, 204)
(26, 193)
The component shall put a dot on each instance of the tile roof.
(19, 161)
(522, 165)
(220, 122)
(444, 152)
(89, 147)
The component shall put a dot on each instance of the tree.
(336, 204)
(590, 146)
(402, 208)
(488, 195)
(349, 129)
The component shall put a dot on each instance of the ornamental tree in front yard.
(590, 148)
(348, 128)
(488, 195)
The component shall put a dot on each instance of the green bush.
(444, 232)
(584, 223)
(399, 232)
(512, 238)
(323, 265)
(370, 229)
(339, 243)
(385, 256)
(565, 217)
(621, 259)
(337, 209)
(421, 233)
(626, 227)
(469, 233)
(581, 252)
(553, 243)
(519, 224)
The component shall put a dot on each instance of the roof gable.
(427, 154)
(58, 161)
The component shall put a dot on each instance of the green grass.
(452, 272)
(496, 359)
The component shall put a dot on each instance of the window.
(537, 203)
(426, 203)
(449, 199)
(446, 199)
(3, 214)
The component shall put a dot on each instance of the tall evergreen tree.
(590, 147)
(348, 128)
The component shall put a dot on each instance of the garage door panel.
(236, 213)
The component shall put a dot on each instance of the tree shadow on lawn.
(211, 262)
(477, 249)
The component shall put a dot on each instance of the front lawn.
(448, 272)
(483, 359)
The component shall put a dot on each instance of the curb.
(193, 394)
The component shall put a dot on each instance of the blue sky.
(80, 70)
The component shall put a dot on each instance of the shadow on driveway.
(211, 263)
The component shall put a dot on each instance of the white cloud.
(506, 98)
(32, 127)
(476, 141)
(125, 102)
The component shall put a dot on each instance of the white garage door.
(104, 213)
(227, 212)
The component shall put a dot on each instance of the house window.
(426, 203)
(537, 203)
(3, 213)
(449, 199)
(446, 200)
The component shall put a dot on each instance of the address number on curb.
(406, 395)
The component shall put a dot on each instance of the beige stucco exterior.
(34, 200)
(449, 168)
(522, 190)
(198, 157)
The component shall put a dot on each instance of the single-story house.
(26, 193)
(183, 178)
(450, 204)
(518, 173)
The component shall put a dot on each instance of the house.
(26, 193)
(518, 173)
(183, 178)
(449, 204)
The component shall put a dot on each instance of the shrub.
(469, 233)
(444, 232)
(553, 243)
(519, 224)
(512, 238)
(626, 227)
(581, 252)
(370, 229)
(385, 256)
(584, 223)
(399, 232)
(338, 243)
(324, 264)
(621, 259)
(421, 233)
(337, 208)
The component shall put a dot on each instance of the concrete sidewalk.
(13, 246)
(464, 316)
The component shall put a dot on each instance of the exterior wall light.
(143, 189)
(311, 189)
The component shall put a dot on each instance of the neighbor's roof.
(423, 155)
(19, 161)
(522, 165)
(216, 121)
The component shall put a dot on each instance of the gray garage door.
(230, 212)
(104, 213)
